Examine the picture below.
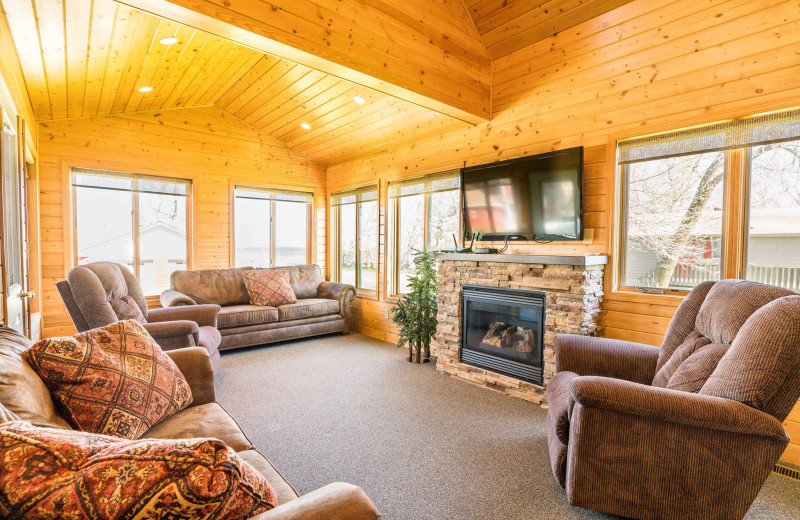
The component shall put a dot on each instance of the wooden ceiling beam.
(369, 44)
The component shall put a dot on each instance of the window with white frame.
(354, 225)
(272, 227)
(136, 220)
(711, 202)
(425, 213)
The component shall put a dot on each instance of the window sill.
(669, 298)
(366, 294)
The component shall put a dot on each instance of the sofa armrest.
(204, 315)
(590, 356)
(337, 501)
(341, 292)
(171, 335)
(195, 365)
(674, 406)
(173, 298)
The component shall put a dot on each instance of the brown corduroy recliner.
(102, 293)
(690, 430)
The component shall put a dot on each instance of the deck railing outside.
(688, 275)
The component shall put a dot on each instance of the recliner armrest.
(173, 298)
(195, 365)
(674, 406)
(590, 356)
(337, 501)
(175, 334)
(204, 315)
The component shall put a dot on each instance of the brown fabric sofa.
(322, 307)
(102, 293)
(23, 396)
(690, 430)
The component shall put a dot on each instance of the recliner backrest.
(705, 327)
(106, 292)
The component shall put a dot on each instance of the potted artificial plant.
(415, 313)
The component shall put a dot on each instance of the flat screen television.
(531, 198)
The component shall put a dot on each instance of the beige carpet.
(422, 445)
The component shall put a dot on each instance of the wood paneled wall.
(641, 68)
(207, 145)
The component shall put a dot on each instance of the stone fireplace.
(500, 351)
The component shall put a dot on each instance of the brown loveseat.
(322, 307)
(690, 430)
(23, 396)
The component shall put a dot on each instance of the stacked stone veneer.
(574, 293)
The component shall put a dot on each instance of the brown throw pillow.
(269, 287)
(114, 380)
(52, 473)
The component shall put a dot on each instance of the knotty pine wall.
(641, 68)
(207, 145)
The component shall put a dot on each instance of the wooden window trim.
(336, 246)
(310, 223)
(734, 234)
(70, 214)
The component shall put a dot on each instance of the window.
(712, 202)
(354, 221)
(135, 220)
(271, 227)
(424, 214)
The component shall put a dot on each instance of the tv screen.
(530, 198)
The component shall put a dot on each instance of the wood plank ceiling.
(85, 58)
(506, 26)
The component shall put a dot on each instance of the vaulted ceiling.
(422, 67)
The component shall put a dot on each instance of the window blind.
(365, 194)
(248, 192)
(762, 129)
(449, 180)
(108, 180)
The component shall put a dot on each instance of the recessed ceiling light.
(360, 100)
(306, 126)
(145, 89)
(169, 40)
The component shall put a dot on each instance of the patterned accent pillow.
(52, 473)
(269, 287)
(114, 380)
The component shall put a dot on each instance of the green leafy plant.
(415, 313)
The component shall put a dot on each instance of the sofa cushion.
(308, 308)
(51, 473)
(304, 279)
(22, 391)
(269, 287)
(205, 420)
(243, 315)
(114, 380)
(284, 492)
(220, 286)
(755, 368)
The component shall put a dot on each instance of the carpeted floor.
(422, 445)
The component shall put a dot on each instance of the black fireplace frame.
(530, 372)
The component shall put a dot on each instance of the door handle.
(27, 294)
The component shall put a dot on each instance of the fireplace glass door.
(503, 324)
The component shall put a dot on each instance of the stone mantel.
(526, 259)
(573, 287)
